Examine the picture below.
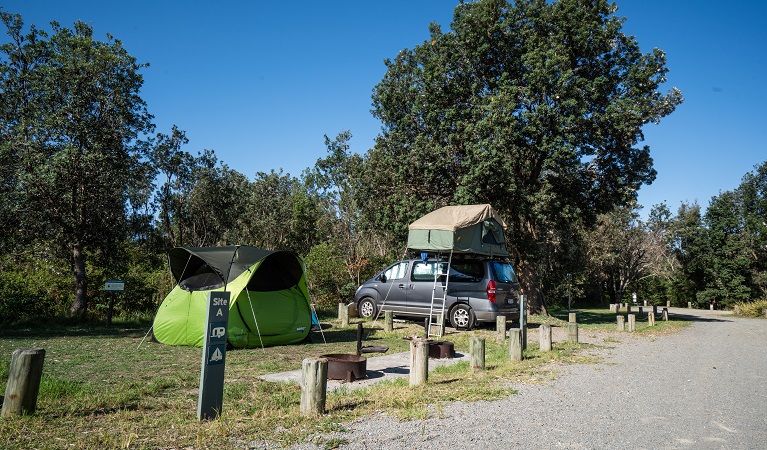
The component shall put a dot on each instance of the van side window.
(425, 271)
(467, 271)
(397, 271)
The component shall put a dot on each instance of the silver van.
(478, 290)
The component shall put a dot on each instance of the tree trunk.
(531, 286)
(79, 305)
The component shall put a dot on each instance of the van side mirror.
(383, 278)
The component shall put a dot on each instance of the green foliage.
(326, 275)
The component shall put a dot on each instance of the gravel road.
(703, 387)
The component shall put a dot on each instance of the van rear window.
(503, 272)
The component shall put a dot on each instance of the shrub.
(751, 309)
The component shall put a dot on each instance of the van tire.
(366, 308)
(462, 317)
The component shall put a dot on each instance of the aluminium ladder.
(436, 322)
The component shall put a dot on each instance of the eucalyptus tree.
(71, 120)
(535, 107)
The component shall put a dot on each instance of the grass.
(111, 388)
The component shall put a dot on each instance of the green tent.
(476, 229)
(270, 300)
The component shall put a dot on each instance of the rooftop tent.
(474, 229)
(269, 298)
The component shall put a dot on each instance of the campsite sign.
(213, 356)
(114, 286)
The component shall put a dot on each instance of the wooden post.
(641, 310)
(343, 314)
(668, 303)
(711, 306)
(523, 319)
(477, 354)
(500, 326)
(651, 319)
(515, 344)
(314, 383)
(352, 309)
(419, 361)
(23, 381)
(388, 321)
(665, 314)
(654, 309)
(544, 337)
(621, 323)
(628, 308)
(572, 332)
(573, 318)
(632, 322)
(689, 305)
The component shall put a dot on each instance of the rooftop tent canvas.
(475, 229)
(270, 300)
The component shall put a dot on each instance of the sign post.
(112, 286)
(211, 395)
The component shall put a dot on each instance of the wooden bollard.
(419, 361)
(689, 305)
(651, 319)
(343, 314)
(572, 318)
(655, 309)
(628, 308)
(641, 310)
(665, 314)
(621, 323)
(668, 303)
(388, 321)
(515, 344)
(500, 326)
(477, 353)
(23, 381)
(572, 332)
(632, 322)
(544, 337)
(314, 384)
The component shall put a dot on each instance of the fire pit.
(349, 367)
(343, 366)
(441, 349)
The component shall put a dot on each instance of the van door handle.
(401, 286)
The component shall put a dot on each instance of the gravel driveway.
(703, 387)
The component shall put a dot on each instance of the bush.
(751, 309)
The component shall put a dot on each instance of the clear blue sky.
(261, 82)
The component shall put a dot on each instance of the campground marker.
(211, 395)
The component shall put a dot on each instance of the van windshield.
(503, 272)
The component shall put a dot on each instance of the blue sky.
(261, 82)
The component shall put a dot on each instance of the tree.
(534, 107)
(176, 166)
(620, 251)
(71, 119)
(727, 263)
(753, 197)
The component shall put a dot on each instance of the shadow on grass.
(63, 330)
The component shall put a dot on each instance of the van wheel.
(366, 308)
(462, 317)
